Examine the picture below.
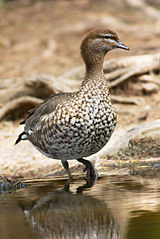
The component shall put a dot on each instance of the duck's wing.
(46, 107)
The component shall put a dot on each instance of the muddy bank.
(41, 62)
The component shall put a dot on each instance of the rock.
(7, 186)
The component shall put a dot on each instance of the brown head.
(97, 43)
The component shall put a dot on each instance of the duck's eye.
(112, 38)
(107, 37)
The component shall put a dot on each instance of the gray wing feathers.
(46, 107)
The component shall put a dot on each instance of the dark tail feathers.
(22, 136)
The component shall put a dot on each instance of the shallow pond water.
(113, 207)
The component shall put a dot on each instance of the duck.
(74, 125)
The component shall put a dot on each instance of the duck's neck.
(94, 68)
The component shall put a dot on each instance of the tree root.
(17, 108)
(31, 92)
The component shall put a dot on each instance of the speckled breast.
(77, 129)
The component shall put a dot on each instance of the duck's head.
(99, 41)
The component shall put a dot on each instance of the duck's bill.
(122, 46)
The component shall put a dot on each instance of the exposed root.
(31, 92)
(125, 68)
(17, 108)
(124, 100)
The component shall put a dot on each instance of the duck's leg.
(66, 166)
(91, 173)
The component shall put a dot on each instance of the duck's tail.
(22, 136)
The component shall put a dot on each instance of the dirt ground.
(43, 37)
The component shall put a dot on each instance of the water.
(114, 207)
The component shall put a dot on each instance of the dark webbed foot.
(66, 166)
(91, 173)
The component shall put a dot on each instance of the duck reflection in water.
(65, 215)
